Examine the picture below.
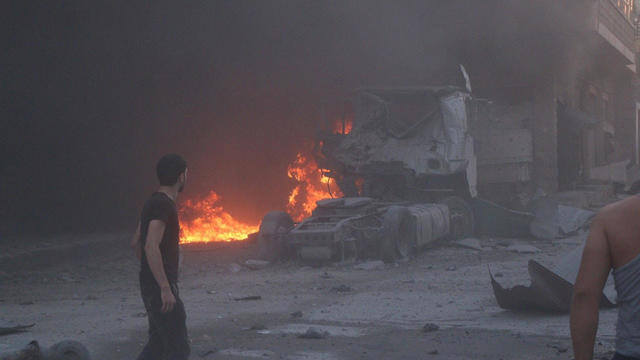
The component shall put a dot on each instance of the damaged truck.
(408, 172)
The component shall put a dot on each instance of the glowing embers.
(311, 185)
(205, 220)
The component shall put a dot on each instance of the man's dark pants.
(168, 338)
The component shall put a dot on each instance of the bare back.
(621, 223)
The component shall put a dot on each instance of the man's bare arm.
(587, 291)
(154, 258)
(135, 243)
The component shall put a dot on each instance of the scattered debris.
(573, 219)
(430, 327)
(560, 348)
(469, 243)
(313, 333)
(256, 264)
(63, 350)
(234, 268)
(248, 298)
(370, 265)
(297, 314)
(15, 329)
(341, 288)
(547, 292)
(211, 292)
(523, 249)
(554, 220)
(207, 352)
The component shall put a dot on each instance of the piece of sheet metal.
(548, 292)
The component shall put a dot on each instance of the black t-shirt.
(160, 207)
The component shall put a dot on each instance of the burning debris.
(312, 184)
(206, 220)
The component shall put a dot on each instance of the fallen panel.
(548, 292)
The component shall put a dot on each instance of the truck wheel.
(461, 219)
(272, 242)
(68, 350)
(397, 234)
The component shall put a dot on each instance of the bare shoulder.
(619, 209)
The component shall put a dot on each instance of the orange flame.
(205, 221)
(338, 129)
(311, 185)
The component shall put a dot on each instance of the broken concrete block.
(256, 264)
(523, 249)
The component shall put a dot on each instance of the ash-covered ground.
(362, 310)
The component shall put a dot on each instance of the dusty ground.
(93, 297)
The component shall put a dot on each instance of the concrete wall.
(544, 131)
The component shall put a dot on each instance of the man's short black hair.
(169, 168)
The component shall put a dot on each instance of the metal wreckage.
(408, 170)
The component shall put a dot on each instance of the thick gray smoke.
(94, 93)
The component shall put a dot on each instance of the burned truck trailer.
(407, 170)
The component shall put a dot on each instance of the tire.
(398, 235)
(461, 218)
(69, 350)
(272, 242)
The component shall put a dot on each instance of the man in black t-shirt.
(156, 243)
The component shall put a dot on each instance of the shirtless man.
(613, 243)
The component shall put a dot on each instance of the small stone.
(326, 275)
(341, 288)
(234, 268)
(28, 302)
(498, 275)
(430, 327)
(370, 265)
(92, 297)
(452, 268)
(433, 352)
(139, 315)
(296, 315)
(258, 327)
(256, 264)
(523, 249)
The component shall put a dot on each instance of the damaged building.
(564, 120)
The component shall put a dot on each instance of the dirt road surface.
(378, 313)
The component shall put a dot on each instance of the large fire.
(311, 185)
(205, 220)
